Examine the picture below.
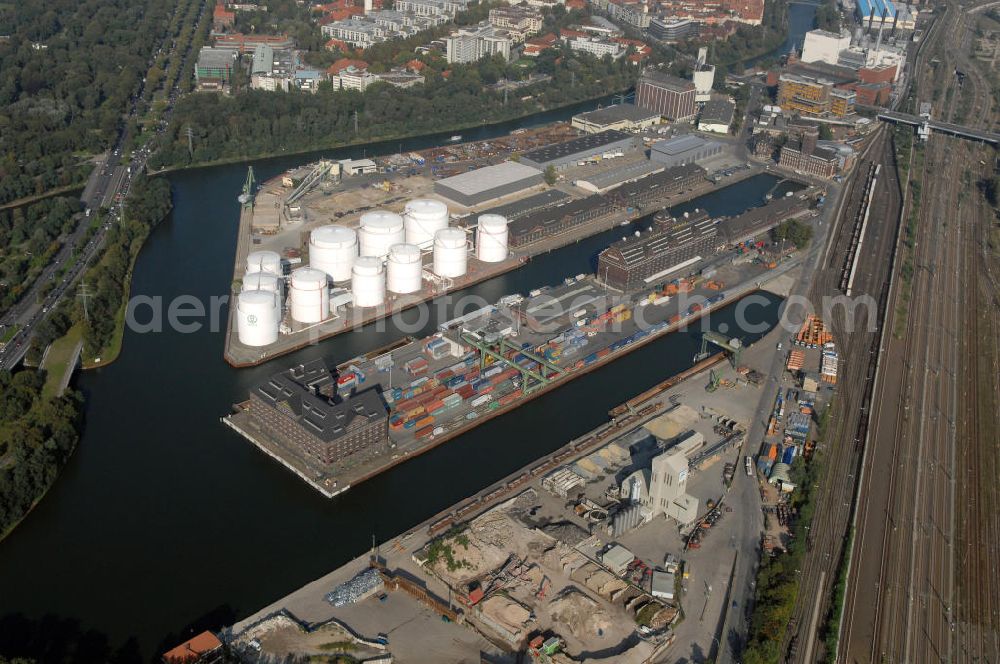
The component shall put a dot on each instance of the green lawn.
(8, 333)
(59, 355)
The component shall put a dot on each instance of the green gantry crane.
(731, 345)
(539, 379)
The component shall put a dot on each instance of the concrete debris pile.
(360, 587)
(493, 528)
(582, 616)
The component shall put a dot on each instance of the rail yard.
(927, 535)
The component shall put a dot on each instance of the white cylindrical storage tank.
(309, 295)
(264, 261)
(368, 282)
(404, 269)
(262, 281)
(450, 252)
(379, 230)
(258, 314)
(491, 238)
(424, 217)
(333, 249)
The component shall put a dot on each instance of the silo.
(309, 296)
(491, 238)
(258, 314)
(264, 261)
(450, 252)
(379, 231)
(262, 281)
(368, 282)
(333, 249)
(424, 217)
(404, 269)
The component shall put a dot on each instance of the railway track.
(935, 586)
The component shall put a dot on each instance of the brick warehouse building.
(635, 262)
(293, 409)
(671, 97)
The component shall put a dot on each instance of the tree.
(794, 231)
(825, 133)
(551, 177)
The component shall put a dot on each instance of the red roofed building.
(337, 45)
(341, 14)
(534, 46)
(575, 4)
(344, 63)
(416, 66)
(567, 33)
(222, 18)
(203, 648)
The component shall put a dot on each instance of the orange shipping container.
(772, 452)
(424, 422)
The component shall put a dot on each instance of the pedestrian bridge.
(943, 127)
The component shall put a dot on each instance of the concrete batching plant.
(404, 269)
(258, 314)
(379, 230)
(450, 253)
(491, 238)
(424, 217)
(332, 249)
(309, 295)
(368, 282)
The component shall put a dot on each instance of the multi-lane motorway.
(107, 188)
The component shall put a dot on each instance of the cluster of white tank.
(385, 254)
(258, 307)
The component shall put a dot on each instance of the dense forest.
(67, 71)
(37, 435)
(28, 241)
(258, 123)
(108, 281)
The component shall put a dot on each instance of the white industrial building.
(703, 77)
(717, 116)
(597, 47)
(824, 46)
(661, 489)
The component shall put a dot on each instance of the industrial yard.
(570, 557)
(317, 219)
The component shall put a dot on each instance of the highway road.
(107, 188)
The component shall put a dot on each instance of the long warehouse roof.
(489, 177)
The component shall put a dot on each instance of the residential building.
(431, 7)
(631, 12)
(672, 29)
(671, 97)
(269, 82)
(597, 47)
(472, 44)
(246, 44)
(520, 22)
(353, 78)
(714, 12)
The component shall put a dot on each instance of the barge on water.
(337, 428)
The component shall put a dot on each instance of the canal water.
(164, 519)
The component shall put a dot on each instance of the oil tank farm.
(368, 282)
(333, 249)
(488, 183)
(451, 253)
(378, 231)
(404, 269)
(491, 238)
(264, 261)
(668, 247)
(423, 217)
(262, 281)
(309, 295)
(568, 153)
(258, 315)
